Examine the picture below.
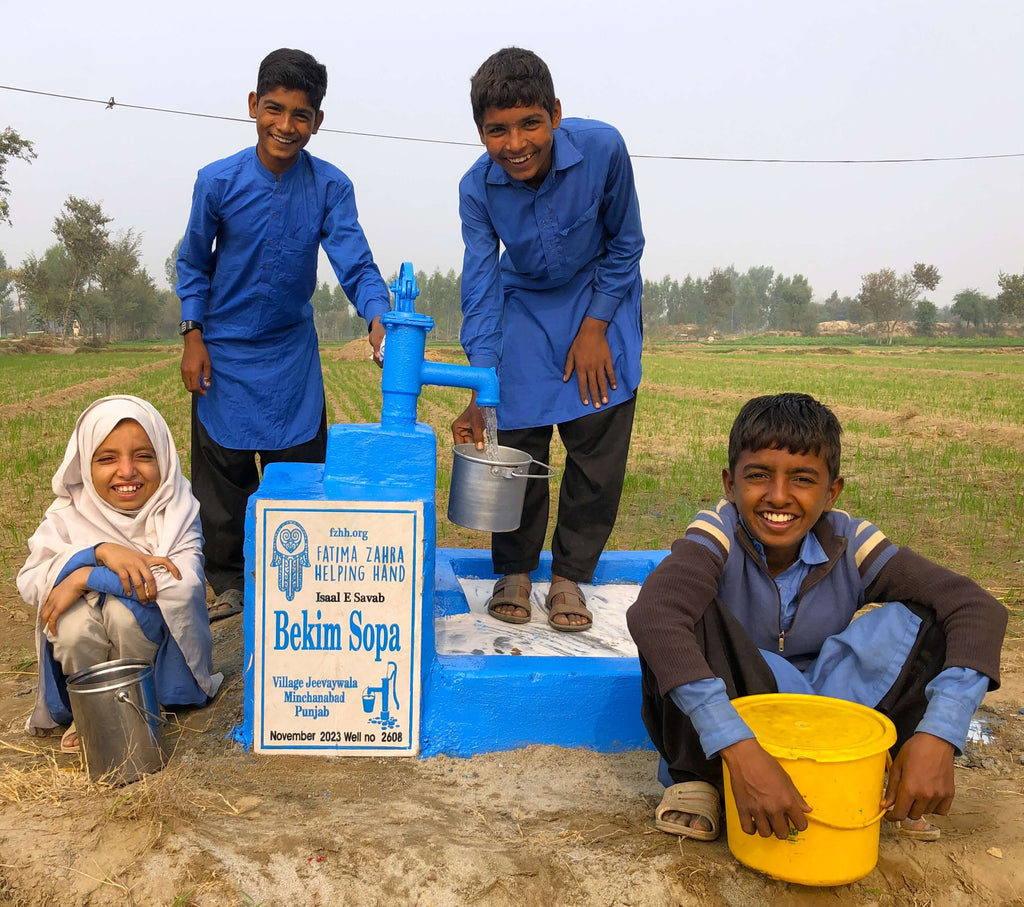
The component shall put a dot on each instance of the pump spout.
(482, 380)
(405, 367)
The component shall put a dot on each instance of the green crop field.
(933, 438)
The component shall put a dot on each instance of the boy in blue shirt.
(246, 273)
(557, 313)
(760, 596)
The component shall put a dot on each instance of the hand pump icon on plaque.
(388, 691)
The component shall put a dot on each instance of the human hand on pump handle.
(376, 338)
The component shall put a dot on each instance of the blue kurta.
(571, 249)
(247, 269)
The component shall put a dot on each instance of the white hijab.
(167, 525)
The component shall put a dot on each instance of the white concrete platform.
(478, 633)
(498, 686)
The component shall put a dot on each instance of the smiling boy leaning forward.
(759, 596)
(558, 315)
(246, 272)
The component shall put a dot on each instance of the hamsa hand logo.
(291, 554)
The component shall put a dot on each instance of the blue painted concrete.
(482, 703)
(486, 703)
(395, 460)
(471, 704)
(358, 468)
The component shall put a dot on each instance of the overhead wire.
(110, 103)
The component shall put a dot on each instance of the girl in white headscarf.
(116, 568)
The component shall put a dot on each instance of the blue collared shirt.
(247, 270)
(571, 249)
(810, 555)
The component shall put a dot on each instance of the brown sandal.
(511, 589)
(572, 602)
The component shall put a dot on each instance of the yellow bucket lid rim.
(798, 726)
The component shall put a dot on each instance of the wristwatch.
(187, 326)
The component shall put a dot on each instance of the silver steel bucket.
(487, 492)
(118, 720)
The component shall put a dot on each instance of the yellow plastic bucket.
(835, 752)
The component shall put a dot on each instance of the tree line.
(760, 300)
(91, 282)
(94, 278)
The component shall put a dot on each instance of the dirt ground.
(541, 826)
(544, 825)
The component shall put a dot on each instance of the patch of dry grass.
(173, 794)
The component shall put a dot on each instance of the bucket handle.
(122, 696)
(526, 475)
(855, 827)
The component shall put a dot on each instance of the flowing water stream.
(490, 432)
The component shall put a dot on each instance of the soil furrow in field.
(94, 387)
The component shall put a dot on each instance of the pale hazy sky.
(808, 79)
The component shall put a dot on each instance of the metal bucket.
(118, 720)
(487, 492)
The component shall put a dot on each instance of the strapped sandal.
(511, 589)
(227, 604)
(572, 602)
(695, 798)
(916, 831)
(66, 744)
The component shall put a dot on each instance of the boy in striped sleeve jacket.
(760, 595)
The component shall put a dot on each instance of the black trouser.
(733, 656)
(223, 478)
(596, 450)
